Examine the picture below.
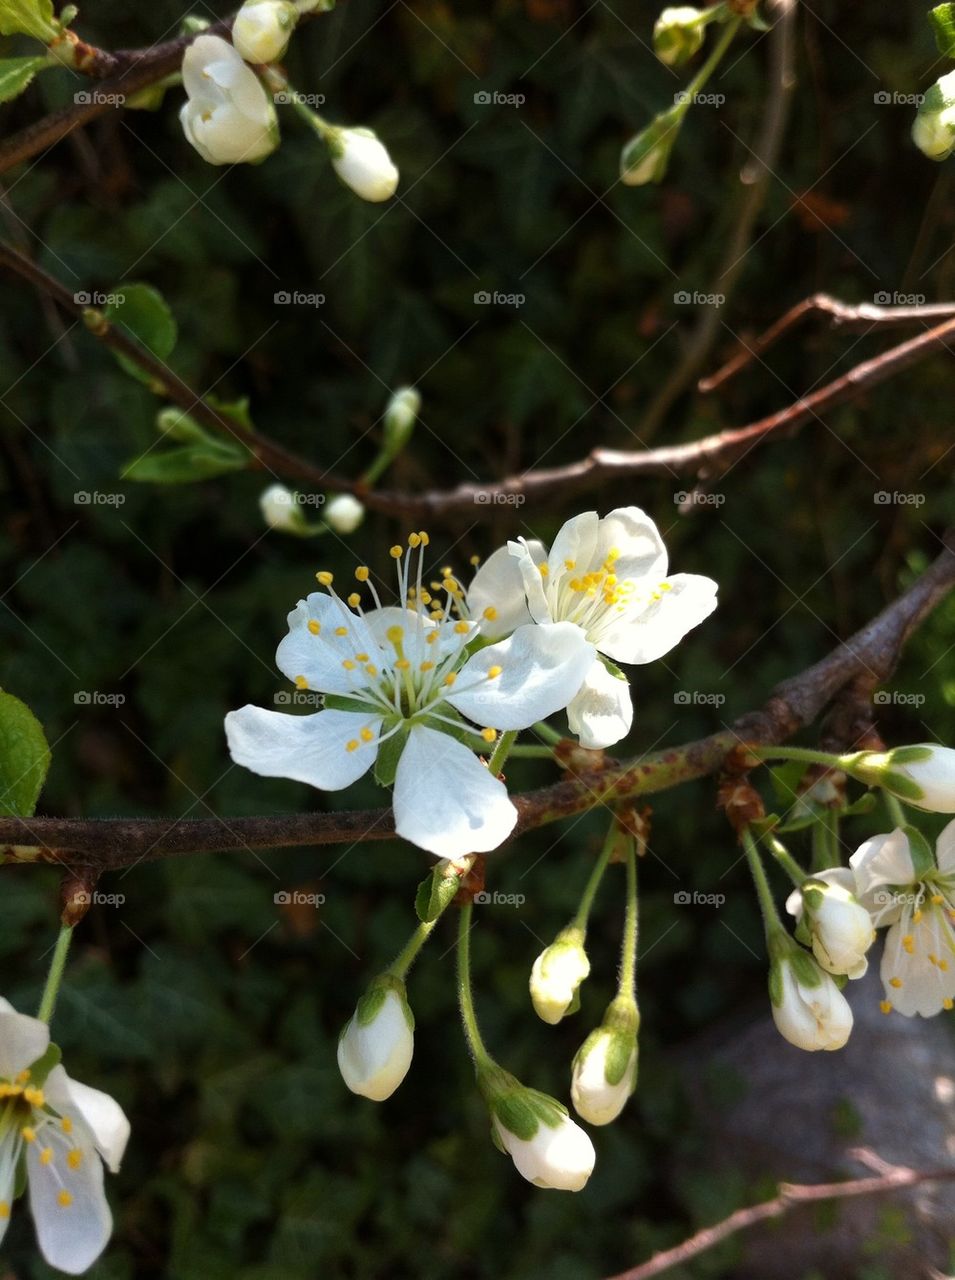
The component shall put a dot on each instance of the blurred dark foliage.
(210, 1011)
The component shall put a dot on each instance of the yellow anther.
(932, 959)
(66, 1124)
(4, 1210)
(426, 666)
(424, 536)
(402, 664)
(490, 613)
(431, 637)
(23, 1076)
(449, 585)
(435, 615)
(395, 634)
(314, 627)
(64, 1199)
(613, 554)
(28, 1134)
(75, 1158)
(396, 552)
(895, 982)
(474, 561)
(325, 578)
(425, 597)
(446, 571)
(353, 745)
(462, 627)
(371, 669)
(362, 573)
(936, 899)
(544, 569)
(666, 586)
(348, 664)
(917, 916)
(570, 565)
(488, 734)
(947, 1003)
(494, 672)
(367, 735)
(943, 965)
(354, 600)
(414, 539)
(885, 1006)
(34, 1097)
(361, 657)
(46, 1155)
(301, 682)
(450, 678)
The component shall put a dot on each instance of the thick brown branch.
(104, 844)
(790, 1196)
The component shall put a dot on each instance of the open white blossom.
(608, 577)
(228, 116)
(914, 896)
(377, 1043)
(405, 688)
(63, 1132)
(809, 1010)
(362, 162)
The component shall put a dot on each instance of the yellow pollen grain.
(895, 982)
(395, 634)
(666, 586)
(425, 596)
(64, 1199)
(354, 600)
(494, 672)
(348, 664)
(431, 637)
(367, 735)
(46, 1155)
(353, 745)
(414, 539)
(917, 916)
(449, 585)
(361, 657)
(947, 1003)
(474, 561)
(75, 1158)
(544, 569)
(490, 613)
(341, 631)
(4, 1210)
(23, 1076)
(301, 682)
(426, 666)
(943, 965)
(446, 571)
(66, 1124)
(424, 536)
(402, 664)
(932, 958)
(314, 627)
(371, 669)
(396, 552)
(325, 578)
(450, 678)
(461, 628)
(34, 1097)
(362, 573)
(488, 734)
(28, 1134)
(885, 1006)
(936, 899)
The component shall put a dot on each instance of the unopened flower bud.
(344, 513)
(678, 34)
(547, 1147)
(228, 117)
(557, 973)
(400, 415)
(646, 156)
(280, 510)
(922, 775)
(933, 130)
(377, 1043)
(262, 29)
(809, 1010)
(605, 1068)
(838, 926)
(362, 163)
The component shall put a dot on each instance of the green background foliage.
(210, 1011)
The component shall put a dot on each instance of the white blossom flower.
(913, 894)
(604, 1074)
(557, 973)
(377, 1043)
(809, 1010)
(228, 116)
(262, 29)
(62, 1133)
(401, 685)
(363, 163)
(839, 927)
(547, 1147)
(608, 577)
(344, 513)
(933, 130)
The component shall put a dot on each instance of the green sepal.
(460, 731)
(24, 757)
(613, 668)
(389, 753)
(805, 969)
(656, 139)
(908, 755)
(522, 1111)
(370, 1004)
(20, 1179)
(901, 786)
(942, 21)
(40, 1070)
(436, 892)
(923, 859)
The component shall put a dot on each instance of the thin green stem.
(593, 881)
(771, 920)
(894, 809)
(808, 754)
(784, 858)
(628, 954)
(825, 842)
(546, 733)
(501, 752)
(55, 975)
(532, 753)
(482, 1059)
(409, 953)
(713, 61)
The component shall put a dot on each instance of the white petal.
(204, 52)
(534, 581)
(945, 848)
(71, 1236)
(499, 585)
(446, 801)
(312, 749)
(22, 1040)
(576, 542)
(647, 633)
(924, 986)
(883, 860)
(633, 534)
(319, 658)
(106, 1120)
(542, 667)
(601, 711)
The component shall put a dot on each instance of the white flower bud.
(547, 1147)
(809, 1010)
(279, 509)
(377, 1044)
(228, 117)
(933, 130)
(839, 926)
(605, 1074)
(646, 156)
(262, 29)
(403, 408)
(678, 34)
(344, 513)
(557, 973)
(363, 164)
(932, 772)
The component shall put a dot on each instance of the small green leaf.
(236, 411)
(187, 464)
(29, 18)
(942, 21)
(16, 74)
(436, 892)
(141, 312)
(24, 757)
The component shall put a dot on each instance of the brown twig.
(862, 315)
(105, 844)
(790, 1196)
